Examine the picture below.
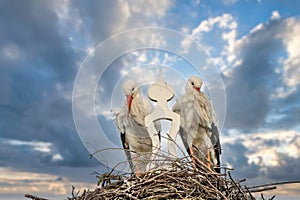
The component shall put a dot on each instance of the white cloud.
(150, 8)
(224, 21)
(283, 92)
(227, 25)
(291, 39)
(57, 157)
(275, 15)
(258, 27)
(35, 145)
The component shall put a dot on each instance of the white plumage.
(130, 122)
(198, 130)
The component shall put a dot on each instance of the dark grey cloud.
(235, 155)
(287, 171)
(102, 18)
(250, 86)
(288, 109)
(26, 158)
(288, 168)
(38, 66)
(31, 31)
(106, 18)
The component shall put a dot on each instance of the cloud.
(213, 33)
(16, 183)
(235, 157)
(150, 8)
(286, 96)
(37, 41)
(224, 21)
(265, 67)
(291, 41)
(275, 15)
(262, 157)
(251, 83)
(109, 18)
(37, 146)
(287, 170)
(39, 66)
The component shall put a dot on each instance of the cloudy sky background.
(254, 44)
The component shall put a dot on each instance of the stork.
(129, 119)
(198, 130)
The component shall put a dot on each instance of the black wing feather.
(215, 139)
(127, 150)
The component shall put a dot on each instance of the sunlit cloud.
(264, 147)
(19, 182)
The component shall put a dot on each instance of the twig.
(263, 189)
(34, 197)
(272, 184)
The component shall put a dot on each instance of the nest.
(179, 180)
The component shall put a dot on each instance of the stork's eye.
(132, 89)
(193, 83)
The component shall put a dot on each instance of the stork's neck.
(192, 91)
(137, 110)
(137, 96)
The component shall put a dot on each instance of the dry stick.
(34, 197)
(249, 192)
(263, 189)
(239, 189)
(272, 184)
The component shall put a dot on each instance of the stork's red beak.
(129, 101)
(198, 89)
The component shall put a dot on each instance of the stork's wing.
(120, 120)
(215, 140)
(184, 138)
(214, 137)
(192, 114)
(127, 150)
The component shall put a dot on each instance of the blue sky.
(253, 44)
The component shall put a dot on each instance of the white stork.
(130, 122)
(198, 129)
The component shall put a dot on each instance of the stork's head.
(130, 88)
(193, 84)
